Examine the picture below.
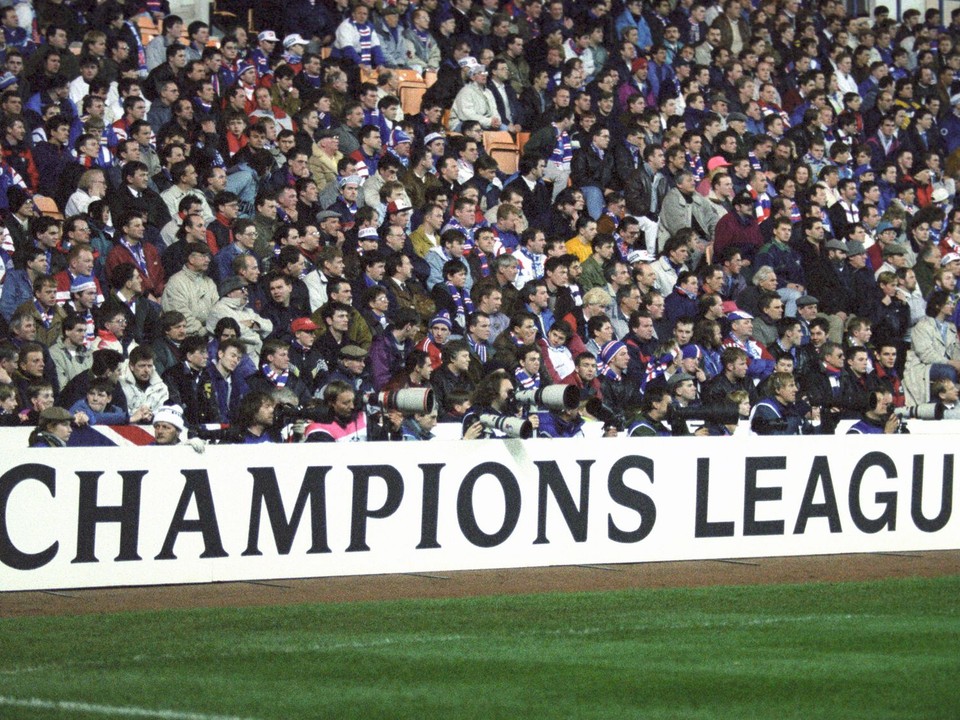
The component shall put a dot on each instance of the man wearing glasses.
(244, 239)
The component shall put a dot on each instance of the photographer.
(780, 413)
(565, 423)
(947, 394)
(348, 421)
(717, 427)
(255, 418)
(493, 409)
(878, 418)
(654, 409)
(419, 426)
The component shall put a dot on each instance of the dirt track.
(488, 582)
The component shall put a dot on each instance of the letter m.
(266, 493)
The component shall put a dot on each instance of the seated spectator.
(141, 383)
(98, 408)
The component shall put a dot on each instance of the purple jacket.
(386, 358)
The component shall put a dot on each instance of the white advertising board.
(77, 517)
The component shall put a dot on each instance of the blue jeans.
(942, 371)
(243, 183)
(789, 297)
(594, 199)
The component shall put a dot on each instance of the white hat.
(949, 258)
(940, 195)
(268, 36)
(294, 39)
(635, 256)
(171, 414)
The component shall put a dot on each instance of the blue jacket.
(553, 426)
(17, 289)
(228, 410)
(627, 20)
(769, 411)
(950, 131)
(785, 261)
(865, 427)
(111, 415)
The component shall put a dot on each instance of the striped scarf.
(525, 380)
(608, 372)
(462, 301)
(478, 349)
(366, 43)
(657, 368)
(46, 317)
(563, 152)
(484, 264)
(141, 52)
(536, 262)
(277, 378)
(696, 166)
(136, 251)
(89, 329)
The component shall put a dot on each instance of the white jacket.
(473, 102)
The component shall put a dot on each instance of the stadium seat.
(148, 29)
(522, 138)
(430, 77)
(498, 139)
(407, 75)
(225, 18)
(508, 158)
(47, 206)
(411, 95)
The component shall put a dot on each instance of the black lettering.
(127, 513)
(819, 472)
(702, 526)
(511, 514)
(573, 515)
(266, 492)
(361, 494)
(752, 494)
(630, 498)
(431, 501)
(197, 485)
(10, 555)
(946, 496)
(888, 518)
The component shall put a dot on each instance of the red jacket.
(153, 278)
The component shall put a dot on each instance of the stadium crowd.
(717, 205)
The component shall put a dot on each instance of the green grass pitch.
(888, 649)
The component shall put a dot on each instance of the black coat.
(536, 202)
(194, 393)
(589, 169)
(294, 384)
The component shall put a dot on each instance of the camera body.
(409, 401)
(610, 419)
(512, 427)
(555, 398)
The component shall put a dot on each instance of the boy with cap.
(294, 45)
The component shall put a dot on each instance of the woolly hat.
(81, 283)
(441, 319)
(172, 414)
(609, 351)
